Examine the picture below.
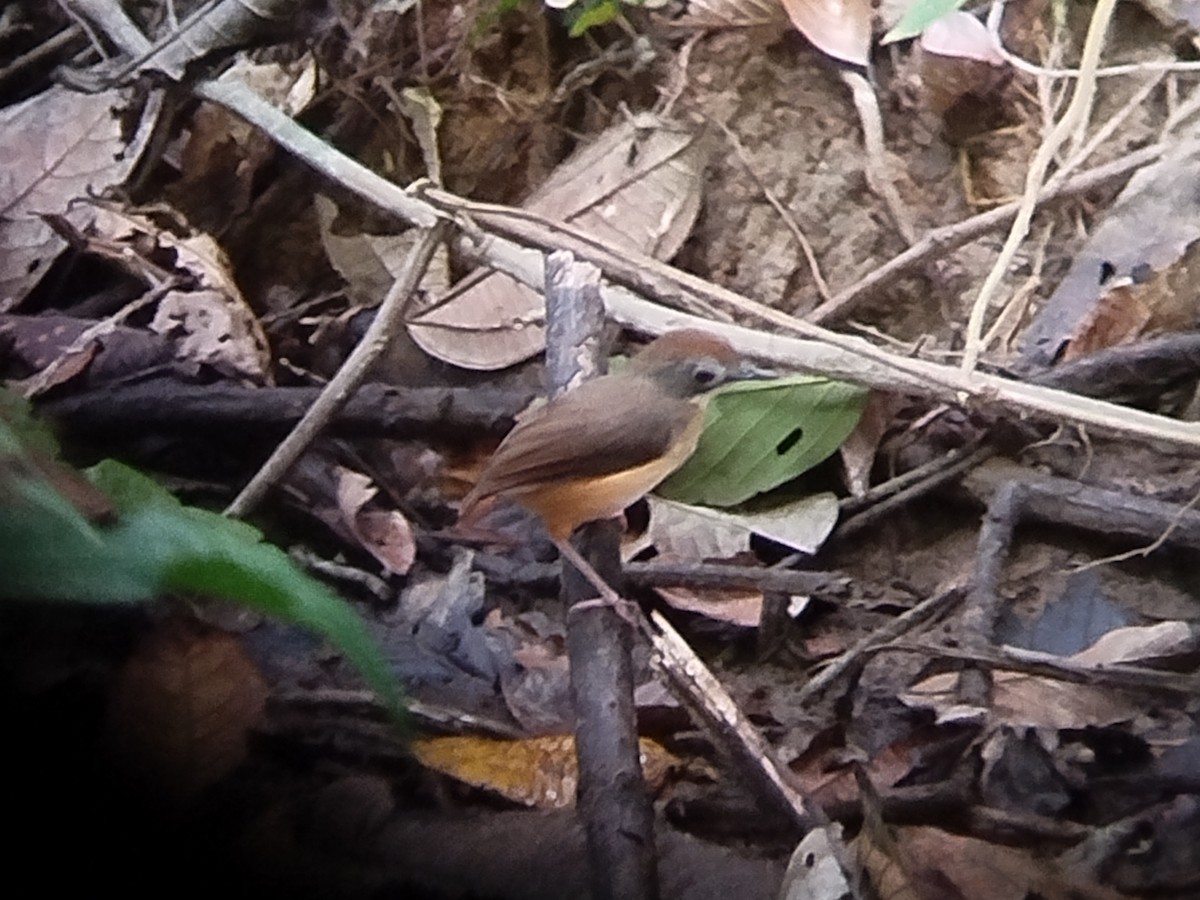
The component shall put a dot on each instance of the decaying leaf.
(1138, 272)
(698, 532)
(57, 146)
(637, 186)
(370, 263)
(814, 871)
(208, 329)
(839, 28)
(222, 156)
(1035, 701)
(737, 14)
(424, 112)
(939, 864)
(385, 534)
(206, 317)
(181, 706)
(1174, 12)
(737, 607)
(537, 771)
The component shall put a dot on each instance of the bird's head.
(690, 362)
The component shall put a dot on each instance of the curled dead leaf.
(57, 146)
(839, 28)
(538, 771)
(383, 533)
(637, 186)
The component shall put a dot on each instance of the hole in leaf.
(790, 440)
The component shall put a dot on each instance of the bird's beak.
(748, 371)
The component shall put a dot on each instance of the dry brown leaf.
(839, 28)
(424, 113)
(737, 14)
(947, 866)
(57, 146)
(737, 607)
(698, 532)
(181, 707)
(1138, 272)
(206, 328)
(370, 263)
(209, 322)
(1027, 700)
(637, 186)
(890, 871)
(385, 534)
(1120, 316)
(1137, 644)
(858, 451)
(538, 771)
(222, 155)
(1030, 700)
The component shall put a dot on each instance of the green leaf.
(20, 432)
(919, 16)
(49, 550)
(202, 552)
(587, 15)
(760, 435)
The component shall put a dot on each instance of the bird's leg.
(608, 597)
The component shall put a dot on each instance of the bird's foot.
(629, 611)
(626, 609)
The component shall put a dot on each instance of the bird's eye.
(704, 376)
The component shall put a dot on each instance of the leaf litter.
(1121, 266)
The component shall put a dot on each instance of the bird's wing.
(580, 435)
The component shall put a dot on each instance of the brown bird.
(596, 449)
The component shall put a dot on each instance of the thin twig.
(1077, 113)
(788, 219)
(387, 321)
(996, 16)
(950, 237)
(680, 665)
(44, 379)
(880, 638)
(837, 355)
(44, 50)
(948, 470)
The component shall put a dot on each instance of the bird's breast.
(566, 504)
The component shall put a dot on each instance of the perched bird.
(596, 449)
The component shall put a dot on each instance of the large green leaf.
(51, 551)
(760, 435)
(919, 16)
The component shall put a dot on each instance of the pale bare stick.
(875, 167)
(1078, 111)
(949, 237)
(996, 16)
